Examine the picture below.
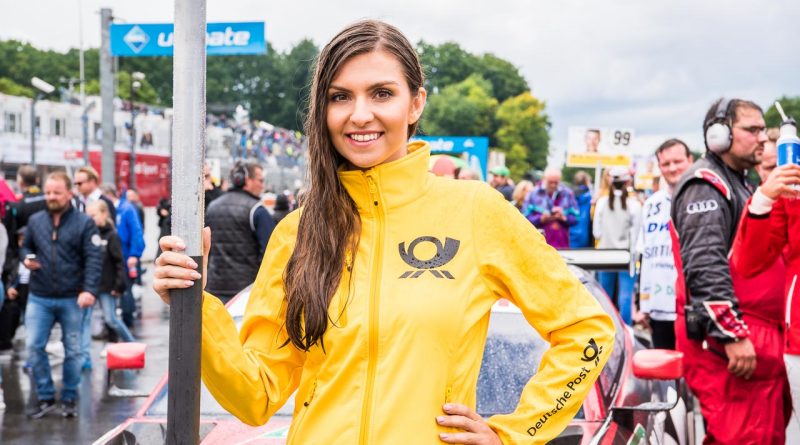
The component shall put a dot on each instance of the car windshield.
(511, 356)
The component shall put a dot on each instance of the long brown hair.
(329, 221)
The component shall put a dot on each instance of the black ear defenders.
(239, 175)
(718, 135)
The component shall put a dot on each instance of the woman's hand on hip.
(175, 269)
(476, 430)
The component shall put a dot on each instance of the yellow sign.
(598, 159)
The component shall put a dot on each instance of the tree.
(523, 133)
(145, 94)
(505, 78)
(8, 86)
(445, 64)
(448, 63)
(464, 89)
(790, 105)
(285, 100)
(466, 108)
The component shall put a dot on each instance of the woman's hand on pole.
(476, 430)
(176, 270)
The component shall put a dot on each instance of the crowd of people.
(258, 140)
(73, 244)
(717, 264)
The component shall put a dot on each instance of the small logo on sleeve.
(591, 353)
(444, 254)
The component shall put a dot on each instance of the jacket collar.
(715, 158)
(70, 209)
(394, 184)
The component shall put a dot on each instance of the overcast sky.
(652, 66)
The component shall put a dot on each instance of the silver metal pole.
(81, 60)
(33, 128)
(189, 100)
(85, 132)
(108, 164)
(132, 170)
(84, 116)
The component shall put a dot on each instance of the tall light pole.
(136, 83)
(85, 125)
(107, 93)
(44, 89)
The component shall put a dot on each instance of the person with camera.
(727, 326)
(242, 226)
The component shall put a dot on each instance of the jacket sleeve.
(597, 222)
(28, 246)
(263, 225)
(250, 374)
(635, 210)
(531, 211)
(114, 251)
(571, 209)
(760, 239)
(137, 235)
(517, 264)
(703, 220)
(646, 278)
(92, 257)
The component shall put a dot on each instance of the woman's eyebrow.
(371, 87)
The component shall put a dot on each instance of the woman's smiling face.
(369, 109)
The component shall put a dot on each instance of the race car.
(638, 398)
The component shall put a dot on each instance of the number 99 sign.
(621, 138)
(599, 146)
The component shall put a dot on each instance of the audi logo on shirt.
(702, 207)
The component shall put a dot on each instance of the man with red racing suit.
(728, 327)
(764, 236)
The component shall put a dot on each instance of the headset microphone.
(239, 175)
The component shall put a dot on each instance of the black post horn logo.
(591, 353)
(443, 256)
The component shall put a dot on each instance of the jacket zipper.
(54, 250)
(372, 332)
(298, 421)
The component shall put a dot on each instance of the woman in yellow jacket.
(373, 299)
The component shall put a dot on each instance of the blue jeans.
(109, 305)
(619, 287)
(86, 336)
(41, 314)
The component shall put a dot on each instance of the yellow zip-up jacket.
(410, 319)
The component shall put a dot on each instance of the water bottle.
(788, 144)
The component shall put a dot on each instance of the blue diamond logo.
(136, 39)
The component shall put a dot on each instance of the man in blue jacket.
(62, 250)
(131, 235)
(580, 235)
